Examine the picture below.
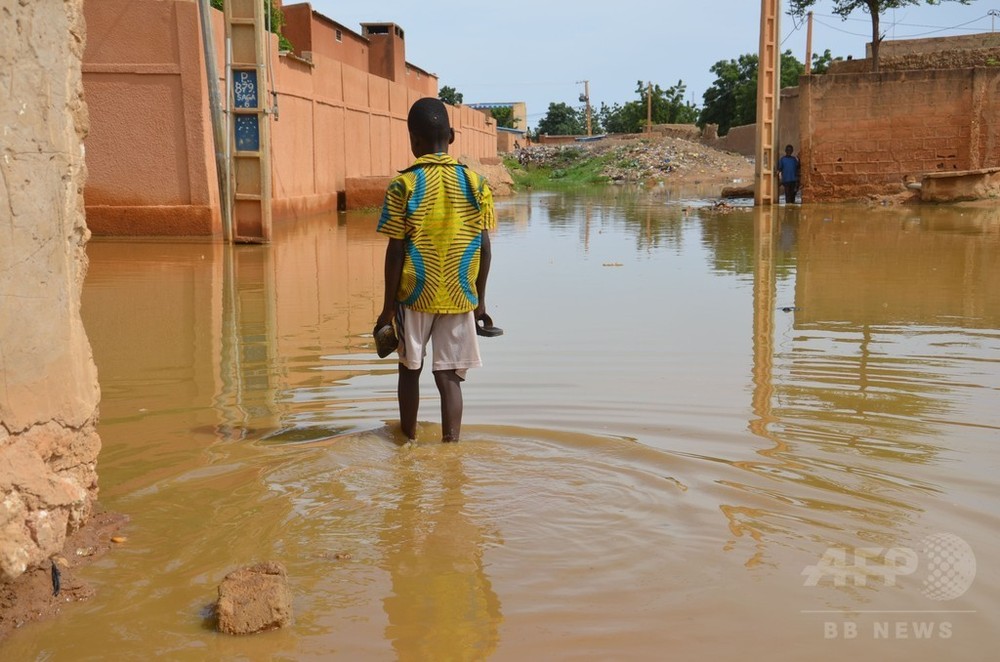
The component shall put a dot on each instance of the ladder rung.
(248, 196)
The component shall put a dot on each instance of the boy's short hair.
(428, 119)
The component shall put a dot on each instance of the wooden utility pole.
(585, 97)
(768, 82)
(809, 43)
(649, 107)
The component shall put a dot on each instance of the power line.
(798, 25)
(836, 29)
(906, 25)
(954, 27)
(936, 28)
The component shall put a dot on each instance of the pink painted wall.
(149, 145)
(150, 153)
(338, 121)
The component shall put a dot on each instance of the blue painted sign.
(245, 88)
(247, 133)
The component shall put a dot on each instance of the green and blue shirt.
(440, 209)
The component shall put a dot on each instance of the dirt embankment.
(645, 160)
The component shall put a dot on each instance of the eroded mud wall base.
(48, 382)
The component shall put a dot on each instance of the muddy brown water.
(744, 436)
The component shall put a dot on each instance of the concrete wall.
(743, 139)
(48, 403)
(739, 139)
(311, 32)
(150, 143)
(150, 150)
(788, 120)
(682, 131)
(862, 134)
(338, 122)
(506, 140)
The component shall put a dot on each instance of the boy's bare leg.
(408, 393)
(450, 388)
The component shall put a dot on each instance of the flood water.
(747, 435)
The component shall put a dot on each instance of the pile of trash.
(643, 159)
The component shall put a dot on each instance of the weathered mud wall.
(48, 382)
(864, 134)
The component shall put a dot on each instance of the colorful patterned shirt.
(440, 209)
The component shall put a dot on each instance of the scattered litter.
(56, 578)
(638, 160)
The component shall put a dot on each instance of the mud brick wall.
(864, 134)
(894, 47)
(48, 382)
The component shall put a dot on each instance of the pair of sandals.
(386, 340)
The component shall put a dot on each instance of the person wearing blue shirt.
(788, 168)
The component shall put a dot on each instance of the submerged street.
(688, 411)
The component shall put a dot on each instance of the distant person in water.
(437, 215)
(788, 168)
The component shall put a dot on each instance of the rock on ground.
(253, 599)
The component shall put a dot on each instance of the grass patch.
(572, 168)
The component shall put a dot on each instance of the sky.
(540, 51)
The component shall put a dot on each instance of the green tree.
(668, 107)
(732, 98)
(821, 63)
(450, 95)
(504, 115)
(562, 120)
(873, 8)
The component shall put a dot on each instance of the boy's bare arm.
(485, 256)
(394, 253)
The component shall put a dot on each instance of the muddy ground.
(30, 597)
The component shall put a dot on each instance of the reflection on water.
(441, 598)
(688, 410)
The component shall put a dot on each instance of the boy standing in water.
(788, 168)
(438, 215)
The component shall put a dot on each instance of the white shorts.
(452, 337)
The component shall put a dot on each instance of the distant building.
(508, 139)
(520, 111)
